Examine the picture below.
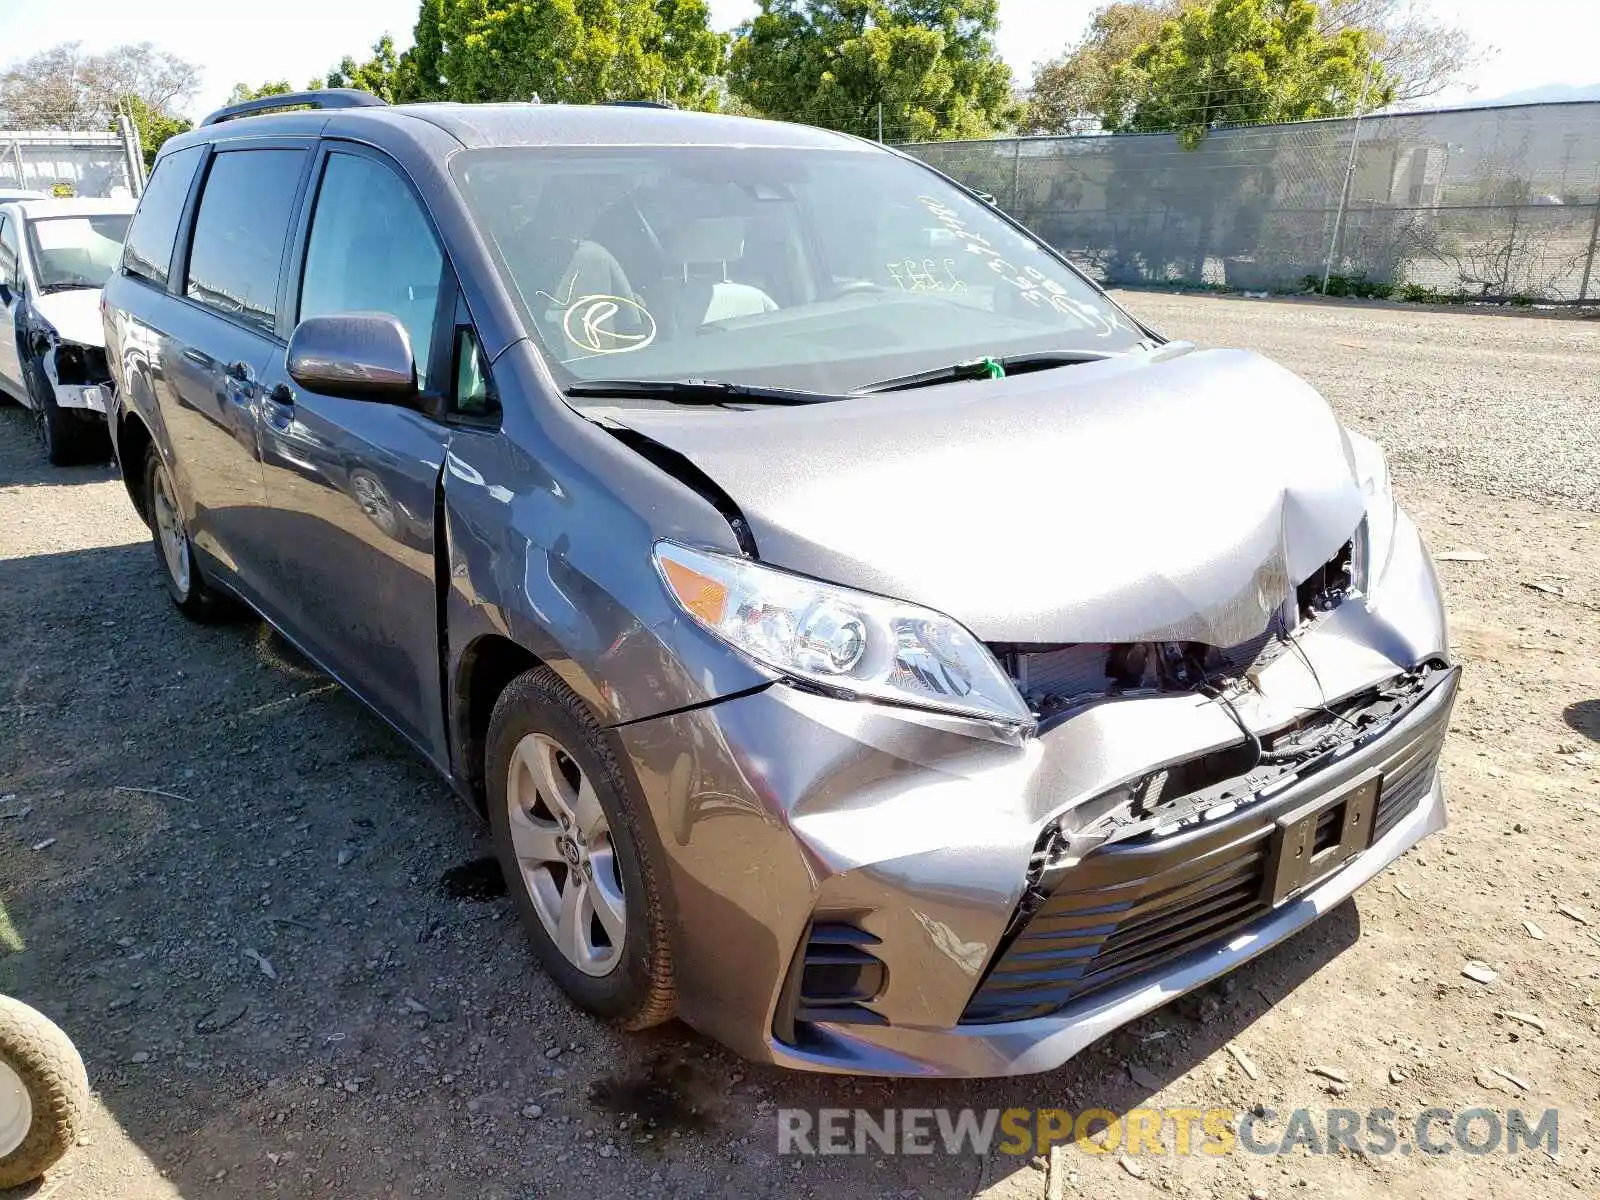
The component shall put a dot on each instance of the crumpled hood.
(1171, 495)
(75, 315)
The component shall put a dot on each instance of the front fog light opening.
(833, 978)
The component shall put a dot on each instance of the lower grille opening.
(1172, 886)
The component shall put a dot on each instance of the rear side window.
(147, 252)
(371, 251)
(239, 231)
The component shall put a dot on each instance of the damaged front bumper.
(872, 889)
(79, 377)
(92, 397)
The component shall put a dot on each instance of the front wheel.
(44, 1093)
(59, 434)
(574, 855)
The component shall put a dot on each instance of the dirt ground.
(262, 921)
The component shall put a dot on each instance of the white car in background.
(55, 255)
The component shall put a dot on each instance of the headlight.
(841, 640)
(1375, 538)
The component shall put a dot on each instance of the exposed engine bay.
(78, 373)
(1056, 681)
(1061, 681)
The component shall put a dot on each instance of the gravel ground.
(259, 915)
(1494, 403)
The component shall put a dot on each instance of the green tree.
(1420, 54)
(273, 87)
(1417, 53)
(1230, 62)
(154, 126)
(379, 75)
(1068, 92)
(576, 51)
(928, 66)
(421, 72)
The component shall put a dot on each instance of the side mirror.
(357, 356)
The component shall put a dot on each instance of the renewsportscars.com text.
(1163, 1131)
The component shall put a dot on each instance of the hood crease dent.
(1153, 497)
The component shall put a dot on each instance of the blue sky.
(1536, 41)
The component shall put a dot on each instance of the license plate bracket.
(1314, 840)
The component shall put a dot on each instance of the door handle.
(198, 357)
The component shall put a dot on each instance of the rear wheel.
(186, 586)
(44, 1093)
(574, 856)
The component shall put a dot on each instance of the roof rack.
(317, 98)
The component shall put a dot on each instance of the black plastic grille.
(1131, 906)
(1407, 779)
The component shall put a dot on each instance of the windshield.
(76, 251)
(818, 269)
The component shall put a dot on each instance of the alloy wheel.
(565, 856)
(169, 529)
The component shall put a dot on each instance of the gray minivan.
(865, 640)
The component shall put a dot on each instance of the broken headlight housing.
(1374, 543)
(840, 640)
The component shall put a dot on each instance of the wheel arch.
(133, 441)
(485, 669)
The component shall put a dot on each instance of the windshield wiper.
(987, 368)
(72, 285)
(696, 391)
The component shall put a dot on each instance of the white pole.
(1349, 174)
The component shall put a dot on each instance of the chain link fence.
(1499, 203)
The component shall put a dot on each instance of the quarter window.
(474, 393)
(371, 250)
(147, 252)
(239, 232)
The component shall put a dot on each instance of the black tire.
(52, 1074)
(60, 434)
(195, 598)
(638, 992)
